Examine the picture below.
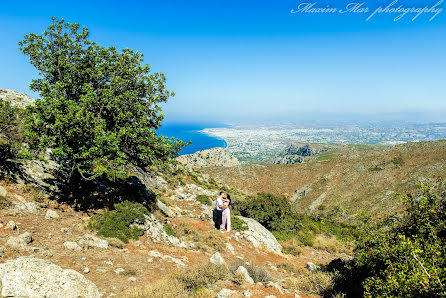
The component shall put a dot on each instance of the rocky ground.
(46, 249)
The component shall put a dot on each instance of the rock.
(150, 260)
(16, 99)
(72, 245)
(243, 272)
(107, 263)
(157, 254)
(32, 277)
(154, 230)
(51, 214)
(82, 258)
(21, 241)
(269, 296)
(217, 259)
(102, 271)
(3, 192)
(293, 154)
(259, 236)
(85, 269)
(226, 293)
(25, 207)
(132, 279)
(164, 209)
(12, 225)
(2, 251)
(214, 157)
(230, 247)
(89, 240)
(275, 285)
(247, 293)
(312, 267)
(119, 270)
(69, 231)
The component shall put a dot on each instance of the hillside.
(44, 240)
(351, 177)
(214, 157)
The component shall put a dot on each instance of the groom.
(219, 206)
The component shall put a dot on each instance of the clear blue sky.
(254, 60)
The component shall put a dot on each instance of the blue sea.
(191, 132)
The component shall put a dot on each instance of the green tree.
(11, 129)
(99, 108)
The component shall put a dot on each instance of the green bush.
(204, 199)
(11, 130)
(272, 211)
(238, 224)
(117, 223)
(169, 230)
(402, 256)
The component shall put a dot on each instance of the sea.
(191, 132)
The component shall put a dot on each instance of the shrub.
(272, 211)
(402, 256)
(257, 274)
(291, 247)
(212, 241)
(201, 276)
(11, 130)
(317, 283)
(238, 224)
(293, 268)
(4, 202)
(204, 199)
(169, 231)
(165, 287)
(118, 223)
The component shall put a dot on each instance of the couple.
(222, 214)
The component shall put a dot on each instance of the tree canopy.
(99, 107)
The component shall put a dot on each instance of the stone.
(2, 251)
(69, 231)
(157, 254)
(150, 260)
(247, 293)
(51, 214)
(230, 247)
(226, 293)
(155, 231)
(3, 192)
(21, 241)
(107, 263)
(132, 279)
(164, 209)
(119, 270)
(72, 245)
(82, 258)
(217, 259)
(244, 272)
(89, 240)
(12, 225)
(85, 269)
(33, 277)
(259, 236)
(272, 284)
(312, 267)
(100, 270)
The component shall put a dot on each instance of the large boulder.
(32, 277)
(155, 231)
(259, 236)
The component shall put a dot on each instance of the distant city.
(251, 143)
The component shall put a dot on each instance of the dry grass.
(331, 244)
(167, 287)
(292, 268)
(35, 194)
(291, 247)
(209, 242)
(201, 276)
(258, 274)
(313, 283)
(4, 202)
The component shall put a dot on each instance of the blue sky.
(242, 61)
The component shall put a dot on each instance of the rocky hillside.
(350, 177)
(15, 98)
(293, 154)
(214, 157)
(47, 248)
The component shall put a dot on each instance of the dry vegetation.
(348, 179)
